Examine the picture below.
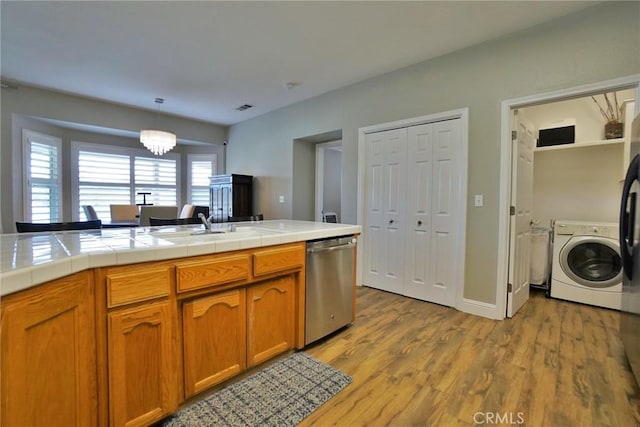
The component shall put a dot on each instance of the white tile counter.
(30, 259)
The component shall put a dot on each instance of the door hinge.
(514, 135)
(512, 210)
(509, 287)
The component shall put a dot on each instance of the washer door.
(592, 261)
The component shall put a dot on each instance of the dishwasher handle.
(332, 248)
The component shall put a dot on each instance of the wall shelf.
(585, 144)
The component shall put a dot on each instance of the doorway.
(328, 180)
(303, 196)
(509, 188)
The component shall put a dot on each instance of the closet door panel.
(419, 194)
(445, 205)
(385, 201)
(374, 197)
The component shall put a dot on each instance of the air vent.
(244, 107)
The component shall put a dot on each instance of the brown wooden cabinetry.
(142, 371)
(124, 345)
(138, 317)
(238, 309)
(49, 355)
(271, 317)
(214, 331)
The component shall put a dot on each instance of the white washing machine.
(587, 267)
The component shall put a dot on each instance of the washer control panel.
(571, 228)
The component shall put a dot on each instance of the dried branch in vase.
(613, 110)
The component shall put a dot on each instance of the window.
(158, 177)
(112, 175)
(42, 177)
(201, 167)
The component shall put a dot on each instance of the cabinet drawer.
(133, 286)
(213, 271)
(278, 259)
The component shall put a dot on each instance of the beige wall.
(26, 106)
(581, 184)
(597, 44)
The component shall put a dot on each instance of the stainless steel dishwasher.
(329, 286)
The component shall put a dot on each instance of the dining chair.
(187, 211)
(90, 212)
(153, 221)
(330, 217)
(157, 211)
(200, 210)
(126, 213)
(31, 227)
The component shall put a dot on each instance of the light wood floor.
(419, 364)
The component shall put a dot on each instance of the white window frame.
(213, 158)
(29, 136)
(77, 146)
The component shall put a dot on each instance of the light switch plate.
(281, 199)
(478, 202)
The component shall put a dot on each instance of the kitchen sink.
(199, 234)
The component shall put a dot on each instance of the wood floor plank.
(413, 363)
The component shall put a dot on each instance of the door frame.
(461, 225)
(507, 107)
(321, 147)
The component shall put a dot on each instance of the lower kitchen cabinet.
(49, 355)
(124, 345)
(271, 317)
(214, 334)
(142, 364)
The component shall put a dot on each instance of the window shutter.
(201, 170)
(43, 183)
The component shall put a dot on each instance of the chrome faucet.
(208, 226)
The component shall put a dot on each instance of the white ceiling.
(208, 57)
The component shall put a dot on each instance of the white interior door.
(386, 177)
(445, 211)
(521, 202)
(433, 196)
(418, 273)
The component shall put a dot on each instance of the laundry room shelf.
(599, 143)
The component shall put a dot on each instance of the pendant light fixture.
(157, 141)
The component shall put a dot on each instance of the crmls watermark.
(498, 418)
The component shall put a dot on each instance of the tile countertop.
(29, 259)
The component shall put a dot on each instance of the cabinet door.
(271, 319)
(214, 339)
(48, 355)
(220, 206)
(142, 370)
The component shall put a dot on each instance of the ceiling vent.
(244, 107)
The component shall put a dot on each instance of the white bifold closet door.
(412, 188)
(386, 187)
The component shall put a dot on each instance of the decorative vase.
(613, 130)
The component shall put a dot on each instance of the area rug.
(282, 394)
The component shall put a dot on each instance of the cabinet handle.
(419, 223)
(390, 221)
